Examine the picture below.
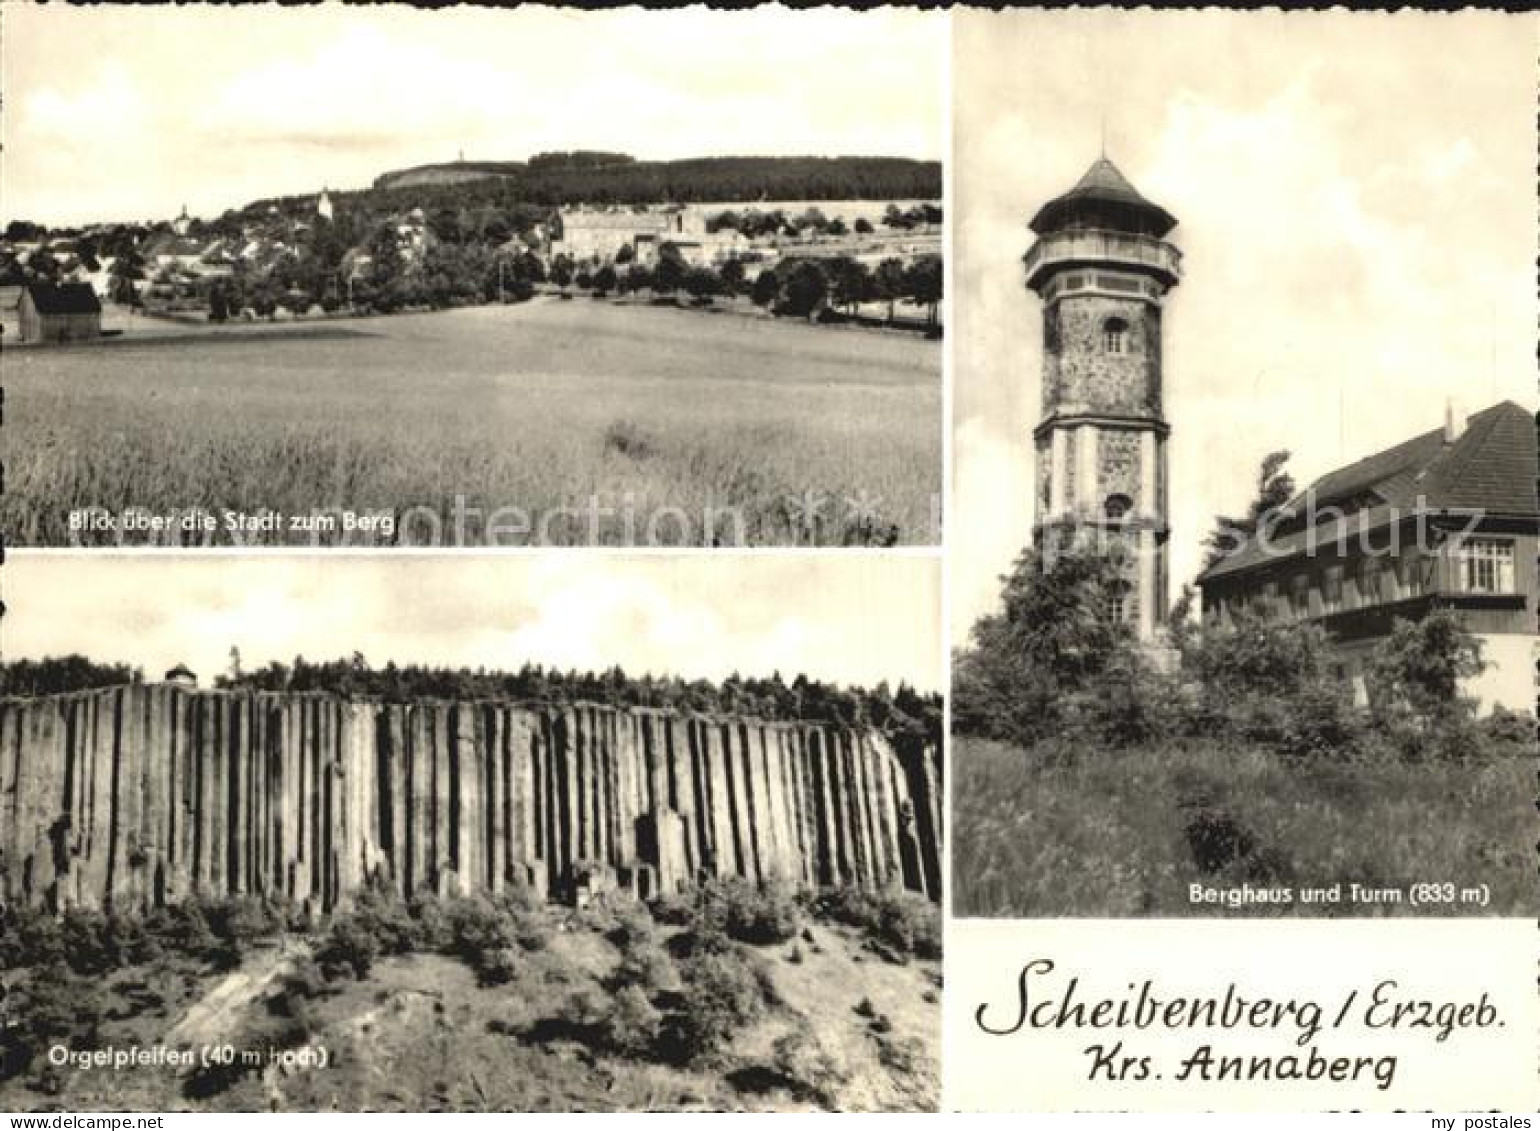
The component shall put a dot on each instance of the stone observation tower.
(1102, 267)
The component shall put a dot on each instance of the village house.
(1446, 520)
(169, 249)
(601, 234)
(68, 312)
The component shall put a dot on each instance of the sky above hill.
(128, 114)
(843, 618)
(1356, 197)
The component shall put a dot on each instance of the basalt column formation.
(143, 795)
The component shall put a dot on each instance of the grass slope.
(524, 1007)
(1125, 833)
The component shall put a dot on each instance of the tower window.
(1117, 506)
(1118, 603)
(1115, 335)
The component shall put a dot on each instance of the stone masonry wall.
(143, 795)
(1081, 376)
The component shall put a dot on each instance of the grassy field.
(1126, 833)
(656, 415)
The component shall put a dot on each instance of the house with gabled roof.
(1449, 519)
(64, 312)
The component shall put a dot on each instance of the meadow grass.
(1065, 831)
(506, 407)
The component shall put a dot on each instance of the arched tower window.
(1117, 507)
(1115, 335)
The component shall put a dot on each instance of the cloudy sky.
(131, 113)
(846, 618)
(1356, 197)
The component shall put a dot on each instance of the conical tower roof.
(1103, 197)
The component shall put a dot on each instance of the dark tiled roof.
(1103, 182)
(66, 298)
(1491, 467)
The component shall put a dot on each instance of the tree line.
(559, 180)
(902, 713)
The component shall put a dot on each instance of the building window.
(1353, 587)
(1485, 565)
(1117, 506)
(1415, 574)
(1115, 335)
(1373, 584)
(1331, 589)
(1299, 594)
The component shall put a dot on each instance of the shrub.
(487, 935)
(498, 967)
(647, 965)
(721, 994)
(52, 1005)
(810, 1071)
(629, 439)
(672, 910)
(1271, 682)
(903, 920)
(29, 938)
(634, 926)
(1420, 666)
(183, 928)
(750, 913)
(348, 948)
(1049, 645)
(902, 1054)
(633, 1023)
(1508, 731)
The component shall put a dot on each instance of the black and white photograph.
(373, 275)
(384, 833)
(1243, 565)
(767, 559)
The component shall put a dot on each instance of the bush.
(629, 439)
(184, 928)
(721, 994)
(903, 920)
(348, 948)
(240, 921)
(51, 1005)
(648, 965)
(498, 967)
(634, 926)
(671, 910)
(746, 912)
(633, 1023)
(487, 935)
(1047, 648)
(1420, 666)
(626, 1023)
(1270, 682)
(810, 1072)
(29, 938)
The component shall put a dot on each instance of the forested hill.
(621, 180)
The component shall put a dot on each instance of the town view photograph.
(321, 276)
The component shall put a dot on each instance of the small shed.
(66, 312)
